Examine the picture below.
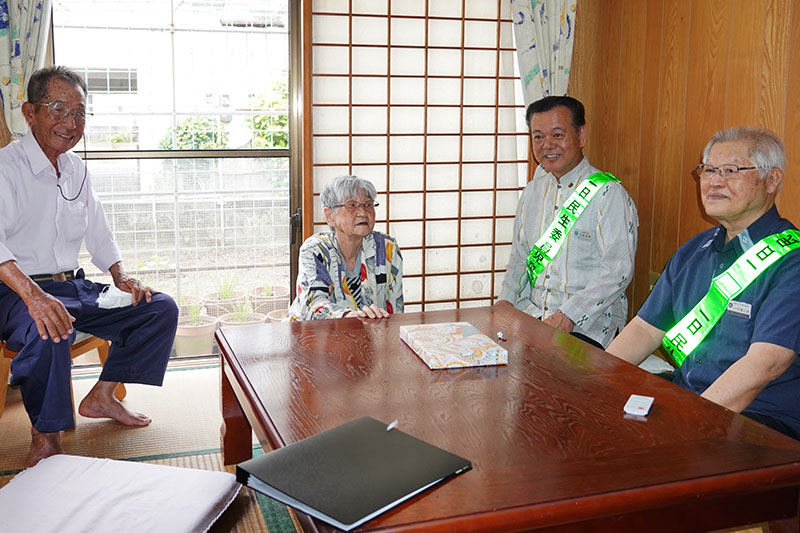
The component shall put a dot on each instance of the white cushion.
(67, 493)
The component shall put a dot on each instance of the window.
(108, 80)
(422, 98)
(188, 147)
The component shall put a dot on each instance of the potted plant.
(225, 299)
(277, 315)
(188, 303)
(242, 314)
(269, 297)
(195, 333)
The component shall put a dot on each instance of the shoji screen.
(421, 97)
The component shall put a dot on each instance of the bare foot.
(101, 403)
(44, 445)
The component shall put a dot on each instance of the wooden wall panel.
(790, 195)
(774, 66)
(629, 113)
(743, 75)
(670, 123)
(705, 103)
(583, 54)
(606, 85)
(707, 64)
(645, 199)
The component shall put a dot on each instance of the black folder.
(351, 473)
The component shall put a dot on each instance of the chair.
(83, 343)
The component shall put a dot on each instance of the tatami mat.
(185, 412)
(185, 432)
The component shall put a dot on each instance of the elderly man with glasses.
(352, 271)
(47, 209)
(727, 306)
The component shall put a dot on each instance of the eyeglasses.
(726, 172)
(369, 205)
(59, 111)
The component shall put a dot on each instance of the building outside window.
(188, 143)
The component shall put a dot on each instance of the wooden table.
(548, 440)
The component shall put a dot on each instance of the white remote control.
(638, 405)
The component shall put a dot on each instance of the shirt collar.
(367, 245)
(756, 231)
(581, 170)
(38, 161)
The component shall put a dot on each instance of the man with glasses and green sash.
(575, 232)
(727, 306)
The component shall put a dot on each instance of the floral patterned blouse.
(322, 290)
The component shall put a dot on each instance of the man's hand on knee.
(51, 317)
(126, 283)
(136, 288)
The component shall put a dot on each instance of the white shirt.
(586, 280)
(39, 228)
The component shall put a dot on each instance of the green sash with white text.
(549, 244)
(686, 335)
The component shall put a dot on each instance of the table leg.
(236, 435)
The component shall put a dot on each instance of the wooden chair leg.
(5, 370)
(74, 410)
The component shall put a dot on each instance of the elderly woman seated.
(352, 271)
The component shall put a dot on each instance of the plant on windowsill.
(269, 297)
(195, 333)
(242, 314)
(225, 299)
(190, 303)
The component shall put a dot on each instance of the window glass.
(165, 77)
(197, 75)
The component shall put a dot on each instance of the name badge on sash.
(556, 233)
(740, 309)
(686, 335)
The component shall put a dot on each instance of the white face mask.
(112, 297)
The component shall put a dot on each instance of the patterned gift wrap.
(453, 344)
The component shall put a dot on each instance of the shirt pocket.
(75, 221)
(583, 252)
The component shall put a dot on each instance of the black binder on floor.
(350, 474)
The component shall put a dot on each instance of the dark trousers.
(590, 340)
(141, 342)
(773, 423)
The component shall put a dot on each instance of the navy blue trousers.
(141, 342)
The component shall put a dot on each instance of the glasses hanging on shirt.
(85, 172)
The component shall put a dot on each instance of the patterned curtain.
(24, 25)
(544, 31)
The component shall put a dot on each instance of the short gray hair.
(39, 80)
(766, 148)
(341, 188)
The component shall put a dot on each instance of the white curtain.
(544, 32)
(24, 25)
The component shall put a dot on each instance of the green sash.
(556, 233)
(687, 334)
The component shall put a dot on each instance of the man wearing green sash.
(727, 305)
(575, 232)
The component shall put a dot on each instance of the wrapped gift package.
(453, 345)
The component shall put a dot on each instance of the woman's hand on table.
(372, 311)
